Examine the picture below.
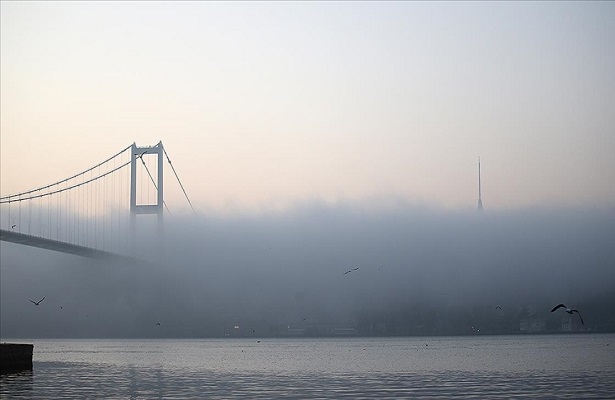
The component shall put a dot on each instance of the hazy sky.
(265, 104)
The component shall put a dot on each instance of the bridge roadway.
(55, 245)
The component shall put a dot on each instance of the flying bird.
(37, 302)
(569, 311)
(157, 323)
(498, 307)
(13, 226)
(350, 270)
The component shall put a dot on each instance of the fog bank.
(282, 273)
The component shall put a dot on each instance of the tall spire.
(480, 200)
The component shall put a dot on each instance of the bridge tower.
(137, 154)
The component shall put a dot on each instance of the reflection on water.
(95, 381)
(357, 368)
(18, 384)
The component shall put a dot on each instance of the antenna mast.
(480, 201)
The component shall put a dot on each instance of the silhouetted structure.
(15, 357)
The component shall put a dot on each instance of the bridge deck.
(55, 245)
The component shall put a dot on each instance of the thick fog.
(420, 271)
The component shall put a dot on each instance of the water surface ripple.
(573, 367)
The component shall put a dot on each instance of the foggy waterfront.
(367, 199)
(545, 366)
(421, 272)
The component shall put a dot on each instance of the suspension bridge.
(92, 213)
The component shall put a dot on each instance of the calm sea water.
(564, 366)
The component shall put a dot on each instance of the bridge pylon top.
(137, 154)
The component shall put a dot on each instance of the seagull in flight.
(37, 302)
(498, 307)
(157, 323)
(569, 311)
(13, 226)
(350, 270)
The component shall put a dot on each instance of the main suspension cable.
(20, 199)
(63, 180)
(180, 182)
(154, 183)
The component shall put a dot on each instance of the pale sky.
(266, 104)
